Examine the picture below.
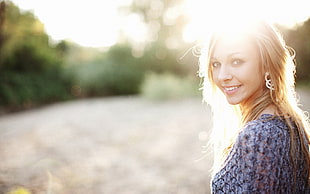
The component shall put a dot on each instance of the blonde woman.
(248, 76)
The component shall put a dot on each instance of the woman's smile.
(229, 90)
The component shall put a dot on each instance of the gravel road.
(119, 145)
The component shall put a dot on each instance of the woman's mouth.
(231, 89)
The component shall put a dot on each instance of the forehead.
(228, 45)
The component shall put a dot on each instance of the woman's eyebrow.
(234, 53)
(229, 56)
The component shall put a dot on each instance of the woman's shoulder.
(266, 126)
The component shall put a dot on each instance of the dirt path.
(124, 145)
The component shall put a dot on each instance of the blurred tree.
(30, 66)
(298, 38)
(2, 19)
(165, 22)
(25, 44)
(114, 72)
(63, 48)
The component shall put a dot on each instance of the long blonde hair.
(277, 59)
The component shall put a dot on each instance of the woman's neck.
(250, 114)
(271, 109)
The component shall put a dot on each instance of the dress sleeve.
(262, 150)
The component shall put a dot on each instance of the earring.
(269, 84)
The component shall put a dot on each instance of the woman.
(261, 129)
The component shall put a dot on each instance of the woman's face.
(236, 71)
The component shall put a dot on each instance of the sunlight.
(134, 28)
(93, 23)
(206, 18)
(204, 15)
(101, 23)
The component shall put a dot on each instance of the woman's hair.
(277, 59)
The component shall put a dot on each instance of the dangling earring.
(269, 84)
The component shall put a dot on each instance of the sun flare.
(205, 15)
(99, 23)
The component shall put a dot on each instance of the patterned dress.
(259, 161)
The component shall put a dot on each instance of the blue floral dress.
(260, 162)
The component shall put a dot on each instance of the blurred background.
(103, 97)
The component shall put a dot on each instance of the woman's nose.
(224, 74)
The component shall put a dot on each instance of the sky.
(93, 23)
(97, 23)
(284, 12)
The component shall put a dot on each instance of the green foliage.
(19, 28)
(25, 46)
(168, 86)
(116, 73)
(31, 57)
(159, 59)
(27, 89)
(33, 71)
(30, 67)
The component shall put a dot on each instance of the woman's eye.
(237, 61)
(215, 64)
